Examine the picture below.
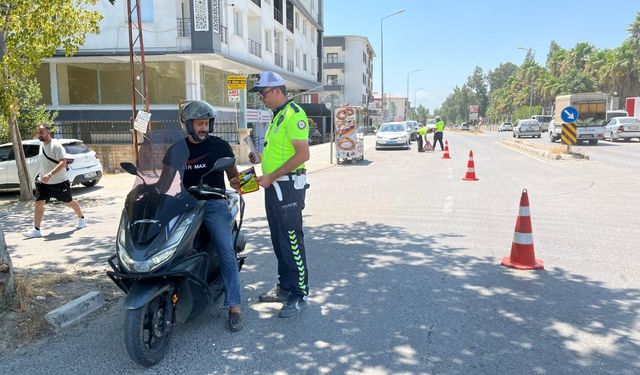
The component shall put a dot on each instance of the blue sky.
(446, 39)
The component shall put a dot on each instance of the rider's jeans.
(218, 220)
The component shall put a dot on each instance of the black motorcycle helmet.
(197, 109)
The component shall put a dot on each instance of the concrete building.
(191, 47)
(396, 107)
(348, 70)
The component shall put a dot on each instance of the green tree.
(477, 84)
(499, 77)
(32, 30)
(31, 112)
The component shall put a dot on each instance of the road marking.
(448, 205)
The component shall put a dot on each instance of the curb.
(543, 153)
(75, 310)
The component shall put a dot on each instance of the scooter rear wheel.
(146, 332)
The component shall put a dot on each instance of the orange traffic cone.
(446, 150)
(522, 256)
(471, 170)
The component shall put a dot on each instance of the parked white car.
(622, 128)
(84, 166)
(393, 135)
(527, 128)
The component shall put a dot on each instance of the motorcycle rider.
(203, 151)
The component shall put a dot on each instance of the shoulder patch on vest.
(301, 124)
(295, 107)
(280, 119)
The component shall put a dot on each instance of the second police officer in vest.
(286, 148)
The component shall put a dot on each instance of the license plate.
(587, 136)
(90, 174)
(633, 128)
(391, 142)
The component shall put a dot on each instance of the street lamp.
(533, 56)
(407, 107)
(414, 95)
(382, 60)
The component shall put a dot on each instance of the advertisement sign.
(474, 108)
(348, 144)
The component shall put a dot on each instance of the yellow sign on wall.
(236, 83)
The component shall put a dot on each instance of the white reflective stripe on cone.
(471, 170)
(523, 238)
(524, 211)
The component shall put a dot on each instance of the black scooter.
(165, 261)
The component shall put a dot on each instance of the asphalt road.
(404, 263)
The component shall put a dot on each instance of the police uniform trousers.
(284, 202)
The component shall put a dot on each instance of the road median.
(552, 152)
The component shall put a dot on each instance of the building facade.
(396, 107)
(191, 47)
(348, 70)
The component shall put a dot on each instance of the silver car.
(527, 128)
(622, 128)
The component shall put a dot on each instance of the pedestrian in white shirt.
(51, 181)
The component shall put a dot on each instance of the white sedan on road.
(393, 135)
(622, 128)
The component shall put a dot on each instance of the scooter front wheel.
(147, 331)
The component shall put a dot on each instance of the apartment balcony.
(255, 48)
(184, 27)
(279, 59)
(334, 63)
(290, 25)
(277, 15)
(224, 35)
(290, 65)
(257, 2)
(335, 85)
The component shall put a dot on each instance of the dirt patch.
(22, 319)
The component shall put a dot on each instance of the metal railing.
(290, 25)
(290, 65)
(184, 27)
(224, 35)
(333, 60)
(255, 48)
(277, 15)
(279, 60)
(120, 132)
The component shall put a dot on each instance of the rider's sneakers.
(235, 321)
(294, 306)
(276, 294)
(32, 233)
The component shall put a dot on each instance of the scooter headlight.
(169, 249)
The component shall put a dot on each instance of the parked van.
(543, 120)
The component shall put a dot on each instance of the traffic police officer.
(438, 135)
(286, 148)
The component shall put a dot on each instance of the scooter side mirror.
(129, 168)
(221, 164)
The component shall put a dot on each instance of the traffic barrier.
(446, 149)
(471, 170)
(522, 255)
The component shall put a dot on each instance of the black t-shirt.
(201, 158)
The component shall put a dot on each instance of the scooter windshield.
(158, 194)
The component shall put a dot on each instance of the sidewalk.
(66, 249)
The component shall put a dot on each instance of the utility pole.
(140, 75)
